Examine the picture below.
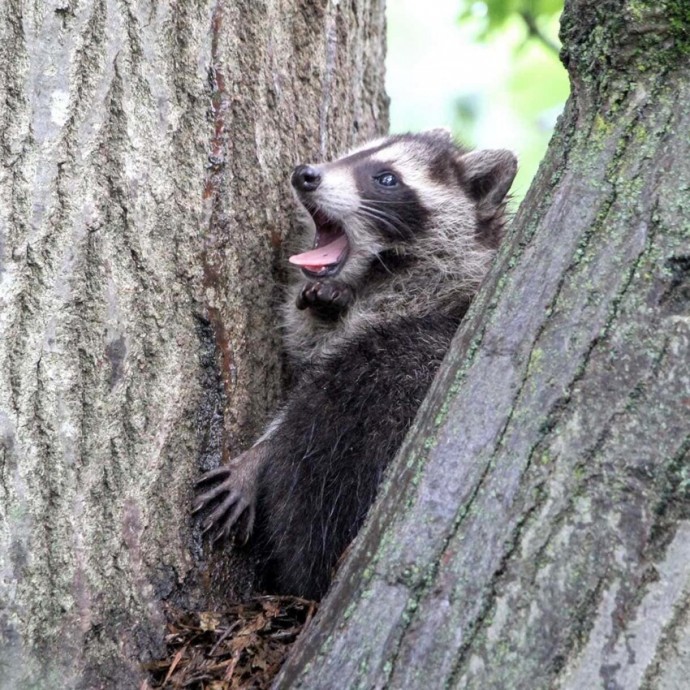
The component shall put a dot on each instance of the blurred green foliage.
(537, 83)
(497, 12)
(493, 74)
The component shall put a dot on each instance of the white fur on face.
(337, 195)
(408, 166)
(374, 143)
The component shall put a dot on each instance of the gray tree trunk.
(145, 149)
(535, 529)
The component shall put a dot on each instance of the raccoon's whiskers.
(383, 263)
(389, 221)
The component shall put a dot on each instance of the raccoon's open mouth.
(330, 249)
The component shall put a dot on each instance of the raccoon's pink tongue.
(320, 257)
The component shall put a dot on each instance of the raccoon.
(400, 233)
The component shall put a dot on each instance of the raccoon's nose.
(305, 178)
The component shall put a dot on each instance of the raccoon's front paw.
(231, 496)
(330, 297)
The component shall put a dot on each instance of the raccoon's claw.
(221, 521)
(331, 296)
(232, 496)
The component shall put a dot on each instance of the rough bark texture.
(535, 529)
(143, 205)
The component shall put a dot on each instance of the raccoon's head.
(410, 195)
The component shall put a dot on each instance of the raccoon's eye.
(386, 179)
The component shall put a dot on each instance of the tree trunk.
(535, 529)
(143, 203)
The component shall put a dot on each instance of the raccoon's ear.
(488, 174)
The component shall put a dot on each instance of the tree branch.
(535, 32)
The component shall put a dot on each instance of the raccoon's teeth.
(320, 257)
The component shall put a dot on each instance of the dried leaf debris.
(238, 649)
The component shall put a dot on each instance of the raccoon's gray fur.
(403, 230)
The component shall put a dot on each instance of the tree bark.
(143, 205)
(534, 531)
